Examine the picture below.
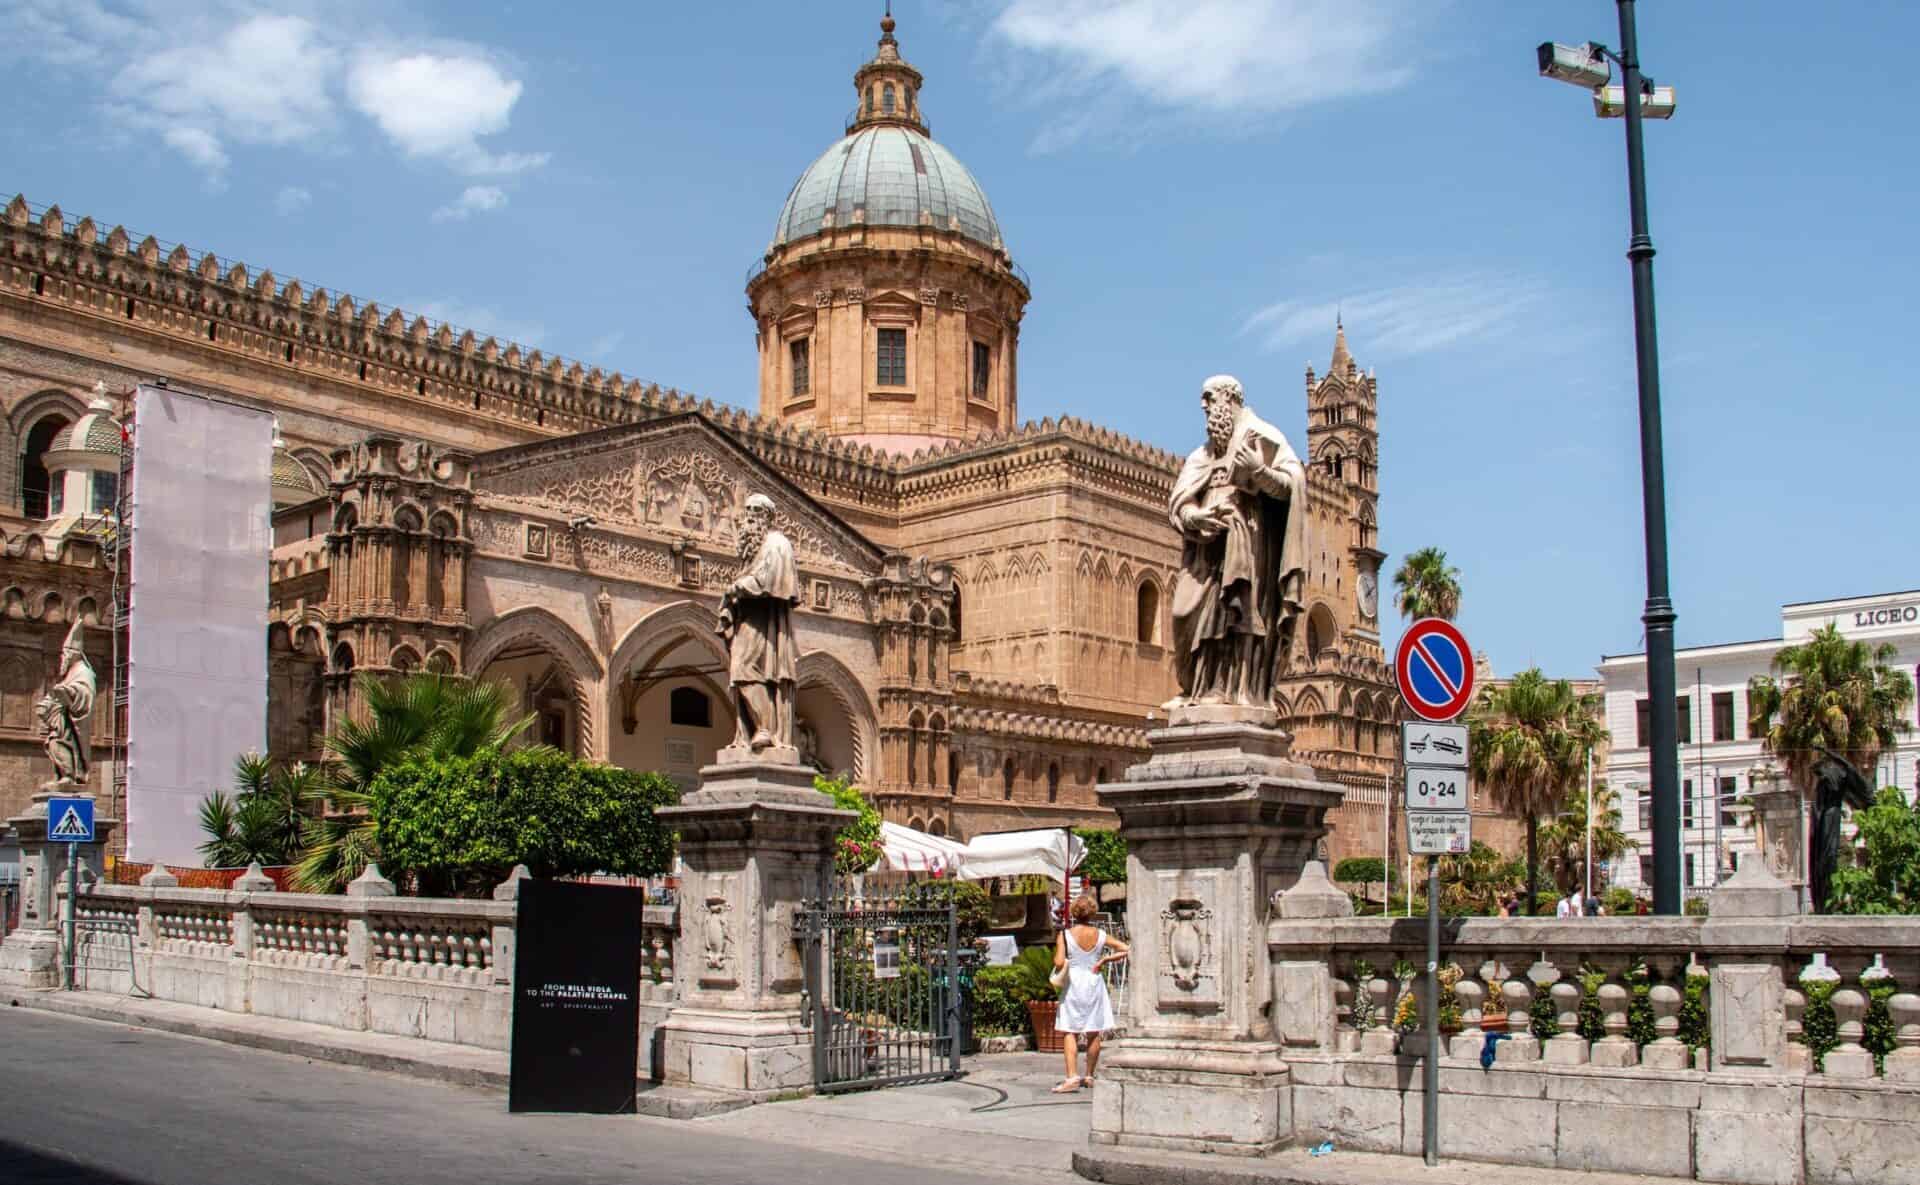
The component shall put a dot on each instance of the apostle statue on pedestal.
(1240, 507)
(65, 708)
(756, 619)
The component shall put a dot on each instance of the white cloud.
(1122, 62)
(197, 145)
(439, 107)
(292, 199)
(1407, 319)
(475, 199)
(211, 75)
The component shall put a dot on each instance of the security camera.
(580, 522)
(1656, 102)
(1582, 65)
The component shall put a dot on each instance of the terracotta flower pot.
(1046, 1038)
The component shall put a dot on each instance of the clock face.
(1367, 591)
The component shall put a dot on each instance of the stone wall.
(1754, 1104)
(436, 969)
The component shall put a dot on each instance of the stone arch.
(404, 659)
(32, 425)
(937, 826)
(1310, 704)
(1323, 634)
(916, 823)
(531, 623)
(1103, 615)
(315, 463)
(819, 671)
(1146, 625)
(442, 662)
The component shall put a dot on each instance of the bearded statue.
(1239, 507)
(756, 619)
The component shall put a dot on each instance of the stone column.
(756, 840)
(30, 956)
(1780, 815)
(1217, 821)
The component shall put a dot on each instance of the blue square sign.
(70, 820)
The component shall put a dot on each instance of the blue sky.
(1194, 186)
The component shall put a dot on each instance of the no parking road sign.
(1435, 669)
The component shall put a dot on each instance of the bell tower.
(1343, 443)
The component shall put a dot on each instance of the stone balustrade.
(1733, 1047)
(439, 969)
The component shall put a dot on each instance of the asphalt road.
(82, 1101)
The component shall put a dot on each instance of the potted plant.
(1043, 1004)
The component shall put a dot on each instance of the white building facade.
(1718, 748)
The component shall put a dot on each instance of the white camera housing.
(1610, 102)
(1581, 65)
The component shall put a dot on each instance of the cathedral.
(985, 601)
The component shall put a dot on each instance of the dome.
(897, 177)
(96, 431)
(293, 483)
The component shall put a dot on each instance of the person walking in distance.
(1079, 954)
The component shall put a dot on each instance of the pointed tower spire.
(888, 87)
(1342, 361)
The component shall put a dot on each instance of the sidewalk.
(999, 1120)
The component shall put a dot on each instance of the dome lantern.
(888, 89)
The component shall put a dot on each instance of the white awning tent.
(1050, 852)
(902, 849)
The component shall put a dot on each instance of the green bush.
(973, 909)
(1000, 1001)
(1105, 862)
(1820, 1030)
(1619, 902)
(460, 824)
(857, 845)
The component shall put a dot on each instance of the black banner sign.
(576, 1014)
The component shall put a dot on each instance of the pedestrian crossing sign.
(70, 820)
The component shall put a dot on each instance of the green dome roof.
(890, 176)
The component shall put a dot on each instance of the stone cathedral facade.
(986, 599)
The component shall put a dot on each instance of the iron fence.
(884, 986)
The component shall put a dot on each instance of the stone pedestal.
(1780, 816)
(30, 956)
(757, 841)
(1217, 821)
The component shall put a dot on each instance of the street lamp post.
(1587, 66)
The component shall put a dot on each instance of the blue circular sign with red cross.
(1435, 669)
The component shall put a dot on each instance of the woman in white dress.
(1081, 950)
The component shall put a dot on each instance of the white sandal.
(1068, 1085)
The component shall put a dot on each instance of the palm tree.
(424, 714)
(1829, 693)
(1427, 586)
(263, 818)
(1563, 841)
(1528, 742)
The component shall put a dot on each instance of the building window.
(1683, 719)
(57, 495)
(1689, 880)
(553, 728)
(1686, 803)
(891, 370)
(1645, 818)
(982, 365)
(1723, 715)
(1053, 781)
(886, 99)
(1147, 623)
(1729, 794)
(798, 358)
(106, 490)
(689, 707)
(34, 482)
(1006, 776)
(1642, 724)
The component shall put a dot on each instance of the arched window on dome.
(872, 87)
(886, 99)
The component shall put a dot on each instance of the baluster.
(1615, 1050)
(1468, 1042)
(1519, 992)
(1796, 1058)
(1378, 1039)
(1666, 1051)
(1346, 1038)
(1567, 1047)
(1849, 1059)
(486, 949)
(1903, 1064)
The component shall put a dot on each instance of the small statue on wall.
(63, 710)
(1240, 507)
(756, 619)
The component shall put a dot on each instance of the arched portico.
(552, 673)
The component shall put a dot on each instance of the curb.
(1142, 1167)
(65, 1005)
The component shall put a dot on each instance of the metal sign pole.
(1430, 1101)
(73, 905)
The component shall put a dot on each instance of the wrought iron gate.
(884, 989)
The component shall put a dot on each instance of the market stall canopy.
(1050, 852)
(902, 849)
